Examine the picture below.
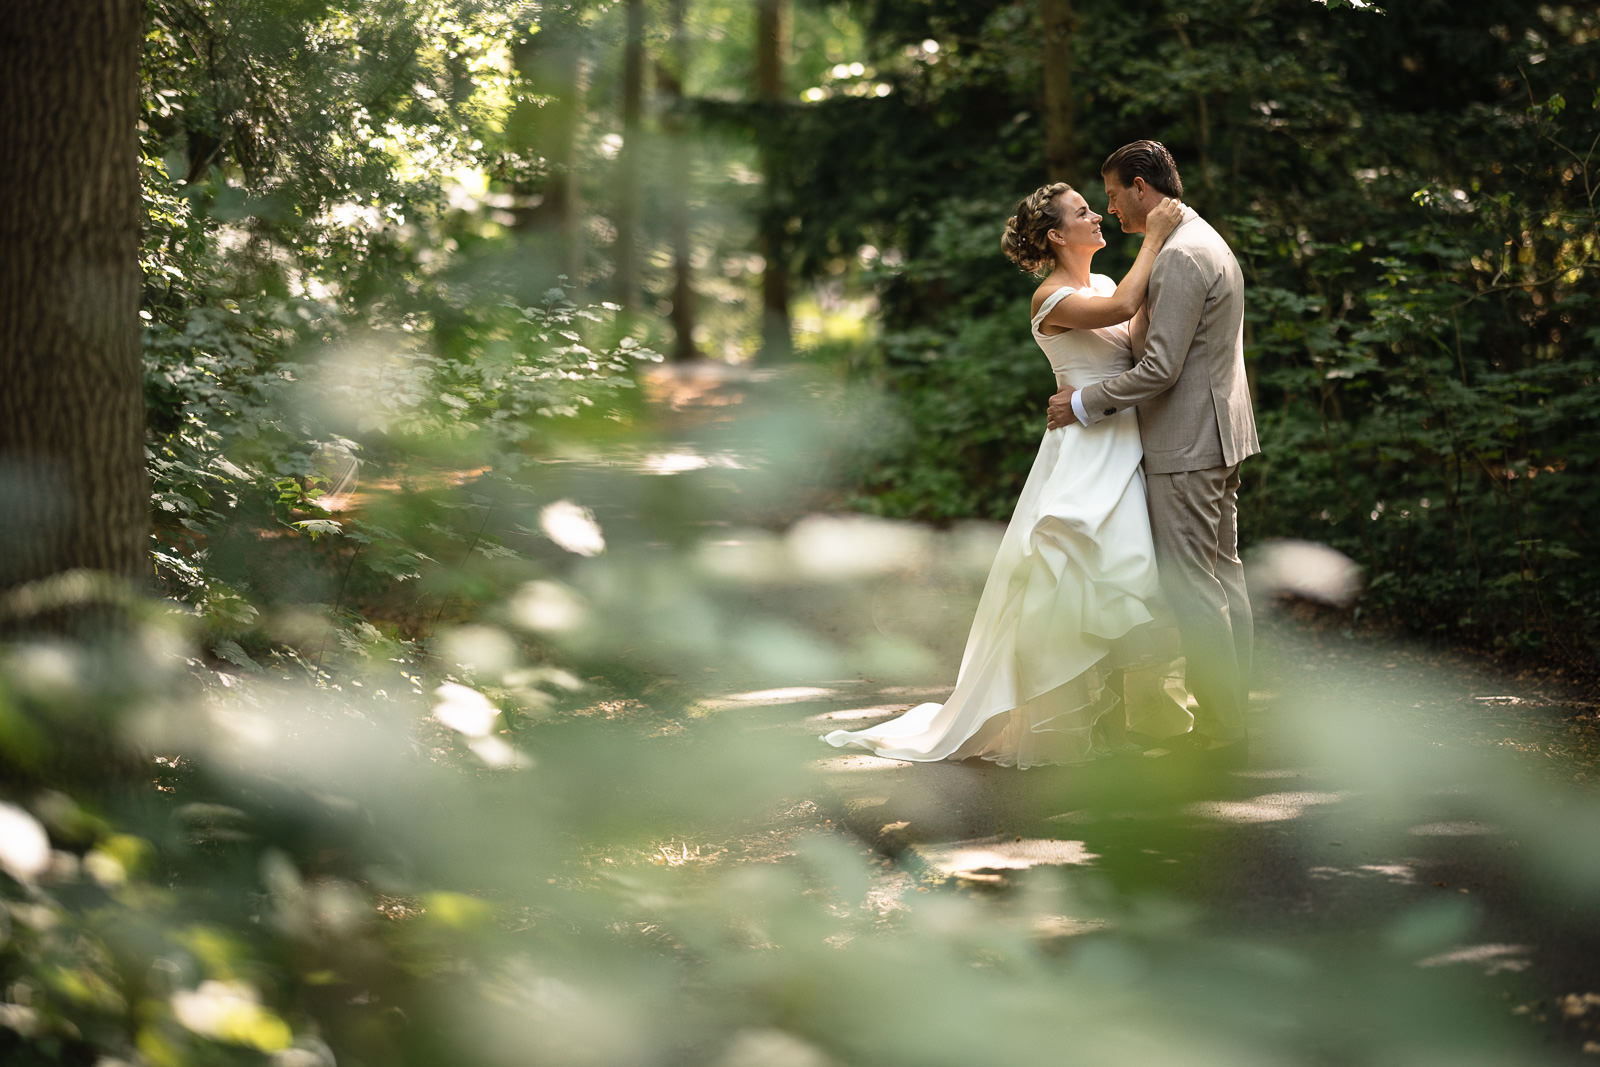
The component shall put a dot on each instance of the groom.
(1197, 424)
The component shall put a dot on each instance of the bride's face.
(1080, 226)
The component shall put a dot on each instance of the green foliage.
(419, 354)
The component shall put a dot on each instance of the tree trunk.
(73, 492)
(1202, 132)
(630, 160)
(771, 53)
(1059, 114)
(551, 64)
(675, 126)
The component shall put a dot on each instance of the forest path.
(1422, 812)
(1406, 815)
(1419, 812)
(1406, 819)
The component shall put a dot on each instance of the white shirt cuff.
(1077, 406)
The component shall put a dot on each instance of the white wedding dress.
(1069, 592)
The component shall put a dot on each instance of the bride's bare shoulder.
(1043, 293)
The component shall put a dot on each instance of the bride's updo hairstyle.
(1025, 242)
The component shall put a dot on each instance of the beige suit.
(1197, 424)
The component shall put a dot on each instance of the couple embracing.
(1130, 510)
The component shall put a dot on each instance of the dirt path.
(1417, 819)
(1407, 820)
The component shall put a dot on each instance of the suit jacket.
(1189, 385)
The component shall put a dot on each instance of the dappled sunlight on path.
(1396, 816)
(1372, 812)
(988, 856)
(1268, 807)
(789, 695)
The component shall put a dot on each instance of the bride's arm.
(1138, 328)
(1084, 310)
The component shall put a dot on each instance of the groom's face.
(1127, 203)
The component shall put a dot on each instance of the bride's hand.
(1163, 219)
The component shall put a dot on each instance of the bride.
(1067, 605)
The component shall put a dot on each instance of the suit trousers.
(1194, 522)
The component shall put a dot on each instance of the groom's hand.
(1060, 411)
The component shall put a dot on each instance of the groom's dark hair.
(1149, 160)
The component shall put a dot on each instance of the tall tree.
(772, 18)
(630, 160)
(671, 74)
(553, 68)
(1059, 113)
(72, 474)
